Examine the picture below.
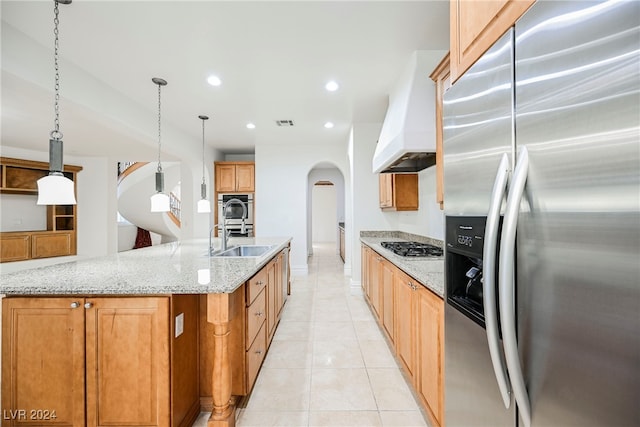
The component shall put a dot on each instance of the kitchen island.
(146, 337)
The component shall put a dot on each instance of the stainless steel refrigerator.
(542, 205)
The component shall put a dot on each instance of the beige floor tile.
(341, 389)
(344, 419)
(294, 331)
(334, 331)
(285, 389)
(402, 419)
(367, 330)
(249, 418)
(289, 354)
(376, 354)
(337, 354)
(391, 390)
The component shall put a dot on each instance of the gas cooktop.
(413, 249)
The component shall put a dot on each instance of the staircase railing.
(174, 208)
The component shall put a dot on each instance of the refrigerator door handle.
(507, 285)
(489, 282)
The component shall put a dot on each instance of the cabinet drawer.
(52, 244)
(16, 247)
(256, 284)
(256, 314)
(255, 355)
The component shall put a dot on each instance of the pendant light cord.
(159, 133)
(55, 133)
(203, 151)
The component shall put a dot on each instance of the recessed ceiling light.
(251, 126)
(332, 86)
(214, 80)
(328, 125)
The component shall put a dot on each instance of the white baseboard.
(347, 270)
(355, 287)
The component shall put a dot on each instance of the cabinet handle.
(259, 313)
(88, 305)
(259, 282)
(258, 351)
(75, 304)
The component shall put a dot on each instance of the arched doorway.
(325, 205)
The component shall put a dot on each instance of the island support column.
(219, 313)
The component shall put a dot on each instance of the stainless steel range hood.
(407, 141)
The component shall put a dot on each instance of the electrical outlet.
(179, 324)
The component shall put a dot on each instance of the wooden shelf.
(18, 176)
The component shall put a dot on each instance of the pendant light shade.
(203, 204)
(160, 200)
(55, 188)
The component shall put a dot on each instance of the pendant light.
(55, 188)
(203, 204)
(159, 201)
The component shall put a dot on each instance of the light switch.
(179, 324)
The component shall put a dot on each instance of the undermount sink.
(243, 251)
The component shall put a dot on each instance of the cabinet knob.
(259, 282)
(75, 304)
(258, 351)
(259, 313)
(88, 305)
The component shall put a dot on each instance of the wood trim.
(32, 164)
(441, 75)
(130, 170)
(173, 218)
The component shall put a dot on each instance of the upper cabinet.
(442, 77)
(398, 191)
(235, 177)
(476, 25)
(19, 176)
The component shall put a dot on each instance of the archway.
(325, 204)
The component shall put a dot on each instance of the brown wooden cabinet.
(235, 177)
(342, 242)
(416, 317)
(476, 25)
(405, 304)
(19, 176)
(106, 359)
(387, 274)
(364, 261)
(430, 352)
(442, 77)
(398, 191)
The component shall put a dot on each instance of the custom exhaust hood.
(407, 141)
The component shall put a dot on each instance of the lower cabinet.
(103, 360)
(412, 318)
(430, 350)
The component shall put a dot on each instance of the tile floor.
(328, 364)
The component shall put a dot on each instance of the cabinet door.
(442, 78)
(44, 245)
(476, 25)
(15, 247)
(405, 323)
(364, 260)
(127, 357)
(385, 190)
(430, 351)
(388, 304)
(43, 342)
(374, 282)
(272, 289)
(225, 178)
(245, 181)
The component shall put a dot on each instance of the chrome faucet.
(223, 225)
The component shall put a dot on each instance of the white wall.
(19, 212)
(324, 218)
(282, 189)
(367, 215)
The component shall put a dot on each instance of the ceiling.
(273, 58)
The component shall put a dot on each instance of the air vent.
(284, 123)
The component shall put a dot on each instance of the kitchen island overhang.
(171, 270)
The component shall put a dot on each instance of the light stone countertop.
(170, 268)
(429, 272)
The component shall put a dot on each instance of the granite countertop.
(171, 268)
(429, 272)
